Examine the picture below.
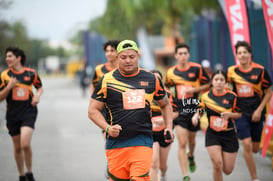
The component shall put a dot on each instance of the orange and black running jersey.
(20, 97)
(128, 99)
(214, 105)
(193, 76)
(249, 86)
(100, 70)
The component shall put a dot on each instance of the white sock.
(256, 180)
(162, 178)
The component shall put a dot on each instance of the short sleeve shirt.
(20, 97)
(214, 105)
(249, 86)
(193, 76)
(128, 99)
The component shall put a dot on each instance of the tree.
(15, 34)
(122, 18)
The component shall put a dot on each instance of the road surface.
(67, 146)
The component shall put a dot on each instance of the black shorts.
(186, 122)
(159, 137)
(14, 126)
(228, 140)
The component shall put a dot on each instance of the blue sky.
(54, 19)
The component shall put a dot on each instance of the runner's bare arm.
(256, 116)
(198, 89)
(167, 111)
(95, 115)
(4, 93)
(36, 97)
(231, 115)
(195, 118)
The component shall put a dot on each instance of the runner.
(252, 84)
(110, 50)
(189, 79)
(220, 104)
(128, 93)
(16, 87)
(160, 147)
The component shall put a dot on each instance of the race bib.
(218, 123)
(181, 92)
(20, 94)
(158, 123)
(134, 99)
(245, 90)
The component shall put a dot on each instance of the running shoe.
(192, 165)
(186, 178)
(29, 176)
(22, 178)
(163, 178)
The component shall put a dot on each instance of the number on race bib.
(134, 99)
(245, 90)
(218, 123)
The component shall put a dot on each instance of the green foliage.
(122, 18)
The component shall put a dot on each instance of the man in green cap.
(128, 92)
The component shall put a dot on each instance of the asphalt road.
(67, 146)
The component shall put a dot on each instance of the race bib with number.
(158, 123)
(218, 123)
(245, 90)
(20, 94)
(181, 92)
(134, 99)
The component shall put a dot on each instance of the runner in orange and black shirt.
(110, 50)
(19, 100)
(252, 84)
(220, 105)
(16, 87)
(161, 148)
(188, 79)
(128, 93)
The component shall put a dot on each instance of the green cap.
(127, 45)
